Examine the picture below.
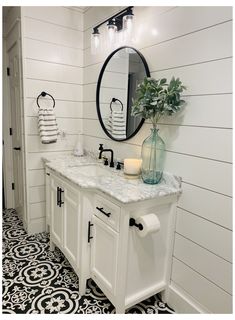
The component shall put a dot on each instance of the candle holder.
(132, 168)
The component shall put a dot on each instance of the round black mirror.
(119, 77)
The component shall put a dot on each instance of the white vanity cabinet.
(93, 231)
(64, 222)
(127, 267)
(104, 244)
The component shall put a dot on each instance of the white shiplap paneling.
(36, 29)
(36, 177)
(60, 91)
(41, 70)
(56, 15)
(212, 206)
(214, 298)
(53, 62)
(201, 261)
(200, 230)
(195, 44)
(63, 109)
(46, 51)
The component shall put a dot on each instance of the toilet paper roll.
(150, 223)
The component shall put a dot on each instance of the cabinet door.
(56, 214)
(71, 224)
(104, 252)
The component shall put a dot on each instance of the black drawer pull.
(108, 214)
(60, 201)
(89, 231)
(17, 148)
(58, 196)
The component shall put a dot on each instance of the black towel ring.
(43, 94)
(114, 100)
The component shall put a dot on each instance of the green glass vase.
(153, 156)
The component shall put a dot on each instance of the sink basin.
(91, 170)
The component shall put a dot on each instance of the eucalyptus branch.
(157, 98)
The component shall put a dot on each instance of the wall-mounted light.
(119, 23)
(112, 29)
(95, 41)
(128, 20)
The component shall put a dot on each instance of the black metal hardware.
(89, 231)
(108, 214)
(13, 186)
(101, 147)
(17, 148)
(10, 130)
(105, 150)
(98, 103)
(60, 201)
(43, 94)
(58, 196)
(8, 71)
(114, 100)
(48, 174)
(118, 19)
(119, 164)
(106, 162)
(133, 223)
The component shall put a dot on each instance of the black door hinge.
(10, 129)
(13, 186)
(8, 71)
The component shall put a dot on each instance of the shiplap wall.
(52, 45)
(195, 44)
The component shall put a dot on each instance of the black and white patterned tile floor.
(36, 280)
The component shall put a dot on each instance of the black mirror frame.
(98, 92)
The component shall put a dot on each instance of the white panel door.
(71, 224)
(104, 253)
(56, 213)
(15, 101)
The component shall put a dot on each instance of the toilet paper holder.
(132, 223)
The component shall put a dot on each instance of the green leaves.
(156, 98)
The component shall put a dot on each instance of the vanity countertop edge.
(116, 185)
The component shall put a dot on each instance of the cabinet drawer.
(107, 212)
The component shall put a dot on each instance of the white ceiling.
(81, 9)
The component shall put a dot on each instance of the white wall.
(52, 40)
(195, 44)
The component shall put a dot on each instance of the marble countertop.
(115, 183)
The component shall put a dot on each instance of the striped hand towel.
(116, 125)
(47, 126)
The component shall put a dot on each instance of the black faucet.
(101, 149)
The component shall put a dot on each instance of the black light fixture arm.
(118, 16)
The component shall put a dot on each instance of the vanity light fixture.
(95, 37)
(121, 21)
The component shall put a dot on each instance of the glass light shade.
(111, 37)
(95, 43)
(128, 22)
(112, 33)
(128, 29)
